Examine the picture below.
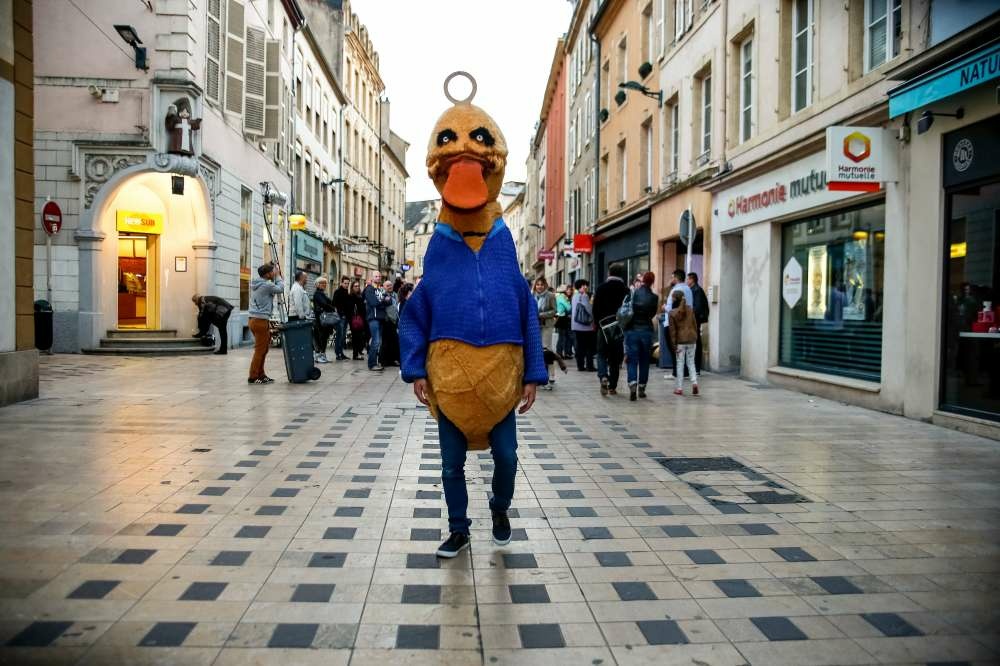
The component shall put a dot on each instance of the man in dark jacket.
(608, 297)
(376, 302)
(213, 311)
(700, 307)
(345, 308)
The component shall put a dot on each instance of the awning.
(949, 79)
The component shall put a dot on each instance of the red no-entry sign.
(51, 218)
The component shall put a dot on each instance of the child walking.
(683, 331)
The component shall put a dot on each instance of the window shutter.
(272, 91)
(235, 23)
(661, 19)
(254, 77)
(213, 67)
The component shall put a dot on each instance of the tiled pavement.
(163, 511)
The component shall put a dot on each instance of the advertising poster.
(855, 270)
(816, 305)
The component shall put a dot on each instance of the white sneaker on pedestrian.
(322, 359)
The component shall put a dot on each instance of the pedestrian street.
(164, 511)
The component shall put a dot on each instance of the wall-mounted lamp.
(638, 87)
(131, 38)
(927, 118)
(330, 182)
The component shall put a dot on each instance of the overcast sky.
(506, 44)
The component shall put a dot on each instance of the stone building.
(421, 216)
(155, 142)
(393, 204)
(18, 357)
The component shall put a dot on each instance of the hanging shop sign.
(355, 249)
(857, 158)
(297, 222)
(791, 282)
(51, 218)
(790, 189)
(546, 255)
(949, 79)
(583, 243)
(139, 223)
(308, 247)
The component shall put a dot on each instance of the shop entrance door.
(729, 310)
(137, 281)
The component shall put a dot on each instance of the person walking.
(582, 326)
(389, 353)
(376, 301)
(608, 297)
(683, 336)
(639, 336)
(342, 303)
(699, 303)
(545, 300)
(263, 289)
(677, 283)
(299, 307)
(564, 329)
(213, 311)
(322, 304)
(358, 317)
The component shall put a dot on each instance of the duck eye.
(446, 136)
(482, 135)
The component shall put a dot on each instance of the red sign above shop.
(546, 255)
(51, 218)
(583, 243)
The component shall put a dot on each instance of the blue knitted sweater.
(479, 298)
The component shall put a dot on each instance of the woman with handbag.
(325, 318)
(582, 325)
(546, 302)
(564, 332)
(389, 350)
(359, 335)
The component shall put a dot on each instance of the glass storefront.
(971, 374)
(835, 324)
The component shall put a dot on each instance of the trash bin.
(43, 325)
(297, 344)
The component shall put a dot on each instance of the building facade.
(18, 357)
(318, 117)
(394, 177)
(628, 171)
(835, 289)
(581, 139)
(421, 216)
(156, 152)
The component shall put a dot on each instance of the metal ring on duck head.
(467, 100)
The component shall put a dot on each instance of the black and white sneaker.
(501, 528)
(453, 545)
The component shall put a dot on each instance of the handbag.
(328, 319)
(392, 314)
(611, 329)
(582, 316)
(357, 323)
(625, 313)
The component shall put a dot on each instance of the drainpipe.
(293, 195)
(725, 73)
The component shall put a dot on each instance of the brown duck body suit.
(476, 387)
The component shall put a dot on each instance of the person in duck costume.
(470, 339)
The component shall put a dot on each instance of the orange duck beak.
(465, 187)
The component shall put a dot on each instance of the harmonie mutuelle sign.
(857, 158)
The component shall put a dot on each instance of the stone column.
(91, 325)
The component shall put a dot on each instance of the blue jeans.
(375, 328)
(340, 332)
(639, 348)
(503, 446)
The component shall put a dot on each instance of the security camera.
(272, 195)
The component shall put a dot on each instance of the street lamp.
(131, 38)
(638, 87)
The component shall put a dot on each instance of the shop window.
(971, 374)
(835, 323)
